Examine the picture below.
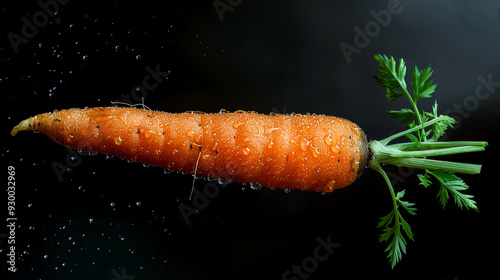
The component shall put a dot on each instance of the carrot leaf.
(392, 78)
(405, 116)
(424, 130)
(452, 184)
(422, 86)
(424, 179)
(394, 225)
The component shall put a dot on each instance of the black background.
(283, 56)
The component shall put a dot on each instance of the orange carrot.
(306, 152)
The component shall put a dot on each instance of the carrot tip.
(24, 125)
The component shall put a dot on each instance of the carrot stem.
(414, 146)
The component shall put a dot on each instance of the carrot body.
(306, 152)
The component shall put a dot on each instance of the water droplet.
(268, 129)
(303, 144)
(91, 220)
(148, 133)
(335, 149)
(343, 140)
(146, 164)
(222, 182)
(315, 151)
(137, 57)
(255, 187)
(246, 140)
(166, 171)
(112, 204)
(330, 186)
(29, 205)
(328, 139)
(85, 57)
(45, 256)
(236, 125)
(174, 151)
(287, 190)
(138, 203)
(246, 151)
(270, 144)
(118, 140)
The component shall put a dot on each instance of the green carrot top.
(423, 131)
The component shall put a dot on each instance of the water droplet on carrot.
(315, 151)
(343, 140)
(328, 139)
(205, 156)
(255, 187)
(174, 151)
(330, 186)
(303, 144)
(236, 125)
(246, 140)
(222, 182)
(270, 144)
(335, 148)
(287, 190)
(268, 129)
(246, 151)
(118, 140)
(190, 133)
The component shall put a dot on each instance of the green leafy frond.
(424, 130)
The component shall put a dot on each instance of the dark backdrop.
(109, 219)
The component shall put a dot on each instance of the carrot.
(307, 152)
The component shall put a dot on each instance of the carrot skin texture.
(306, 152)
